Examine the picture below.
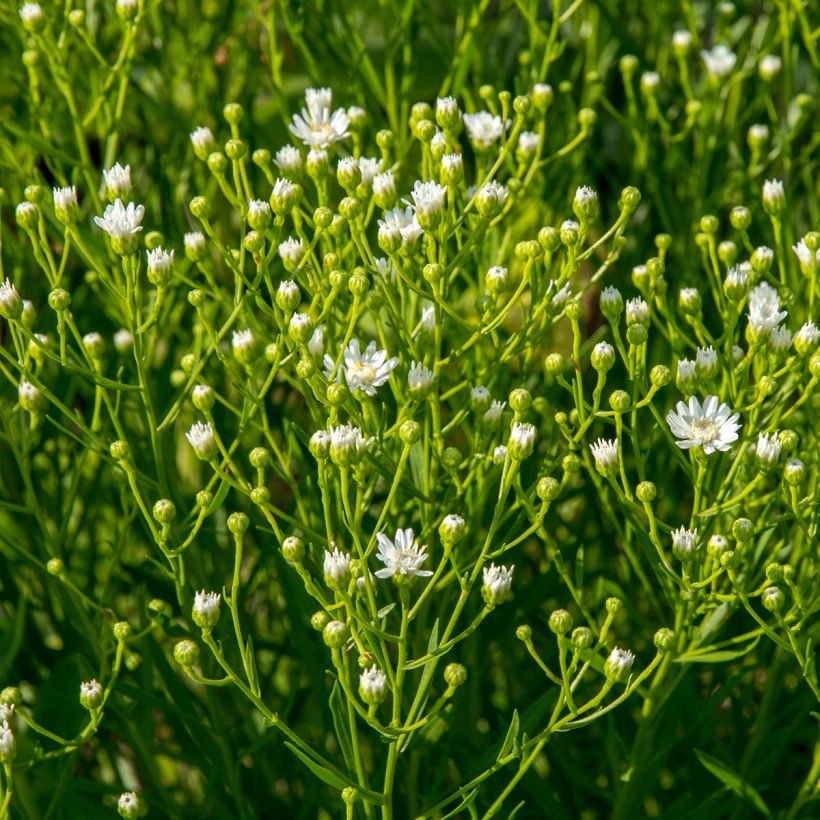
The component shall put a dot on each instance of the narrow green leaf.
(511, 737)
(324, 774)
(730, 778)
(718, 655)
(337, 710)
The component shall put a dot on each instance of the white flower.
(316, 343)
(500, 454)
(770, 65)
(288, 159)
(452, 167)
(774, 195)
(706, 360)
(373, 685)
(6, 712)
(528, 142)
(66, 198)
(205, 611)
(428, 319)
(291, 251)
(522, 440)
(605, 453)
(347, 444)
(316, 127)
(611, 301)
(364, 370)
(129, 805)
(805, 340)
(117, 181)
(11, 305)
(737, 279)
(259, 209)
(419, 379)
(242, 342)
(618, 665)
(711, 426)
(160, 265)
(384, 185)
(29, 395)
(7, 743)
(203, 141)
(497, 581)
(758, 133)
(386, 269)
(637, 311)
(768, 448)
(31, 13)
(561, 296)
(484, 129)
(764, 309)
(780, 339)
(804, 256)
(684, 543)
(447, 109)
(300, 327)
(438, 145)
(687, 376)
(719, 61)
(428, 198)
(496, 189)
(336, 568)
(650, 80)
(682, 40)
(194, 242)
(369, 168)
(403, 556)
(120, 222)
(201, 437)
(584, 196)
(91, 692)
(493, 414)
(123, 340)
(404, 220)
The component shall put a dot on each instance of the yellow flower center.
(705, 430)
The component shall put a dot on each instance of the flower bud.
(560, 622)
(186, 653)
(603, 357)
(646, 492)
(335, 634)
(455, 675)
(772, 599)
(205, 611)
(164, 511)
(293, 549)
(743, 530)
(664, 640)
(91, 694)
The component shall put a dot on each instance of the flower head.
(684, 543)
(288, 160)
(804, 256)
(201, 437)
(497, 583)
(420, 379)
(605, 453)
(484, 129)
(373, 685)
(719, 61)
(117, 182)
(347, 445)
(764, 310)
(316, 127)
(363, 370)
(404, 220)
(205, 612)
(428, 202)
(402, 557)
(160, 265)
(522, 440)
(11, 305)
(619, 664)
(712, 425)
(122, 224)
(768, 448)
(336, 568)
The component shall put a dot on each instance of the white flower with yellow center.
(711, 426)
(364, 370)
(402, 557)
(316, 126)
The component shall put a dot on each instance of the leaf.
(718, 655)
(253, 675)
(337, 710)
(417, 466)
(385, 611)
(730, 778)
(511, 738)
(324, 774)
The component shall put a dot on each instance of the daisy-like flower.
(203, 141)
(316, 127)
(363, 370)
(194, 243)
(493, 188)
(384, 189)
(499, 454)
(619, 664)
(684, 543)
(259, 214)
(205, 612)
(201, 437)
(404, 220)
(719, 61)
(373, 686)
(706, 361)
(122, 224)
(243, 344)
(493, 413)
(160, 265)
(420, 379)
(637, 311)
(288, 160)
(291, 251)
(712, 425)
(562, 296)
(736, 283)
(447, 112)
(130, 805)
(117, 181)
(347, 445)
(402, 557)
(11, 305)
(522, 440)
(528, 142)
(774, 196)
(804, 256)
(806, 339)
(369, 167)
(764, 310)
(496, 584)
(484, 129)
(428, 202)
(585, 203)
(768, 448)
(452, 168)
(336, 568)
(605, 453)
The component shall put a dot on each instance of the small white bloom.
(637, 311)
(480, 397)
(11, 305)
(684, 543)
(316, 343)
(205, 611)
(500, 454)
(336, 568)
(706, 360)
(386, 269)
(369, 168)
(404, 220)
(347, 444)
(373, 685)
(804, 256)
(768, 448)
(682, 40)
(619, 664)
(428, 319)
(363, 370)
(447, 109)
(484, 129)
(805, 340)
(428, 198)
(496, 189)
(117, 180)
(258, 211)
(764, 309)
(160, 265)
(611, 302)
(65, 199)
(719, 61)
(493, 414)
(243, 343)
(7, 742)
(562, 296)
(452, 167)
(121, 222)
(774, 195)
(650, 80)
(497, 583)
(91, 693)
(605, 453)
(687, 377)
(521, 441)
(316, 127)
(711, 425)
(419, 379)
(770, 66)
(780, 339)
(194, 242)
(203, 141)
(201, 437)
(288, 160)
(401, 557)
(32, 14)
(123, 340)
(384, 185)
(129, 804)
(736, 282)
(291, 251)
(528, 142)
